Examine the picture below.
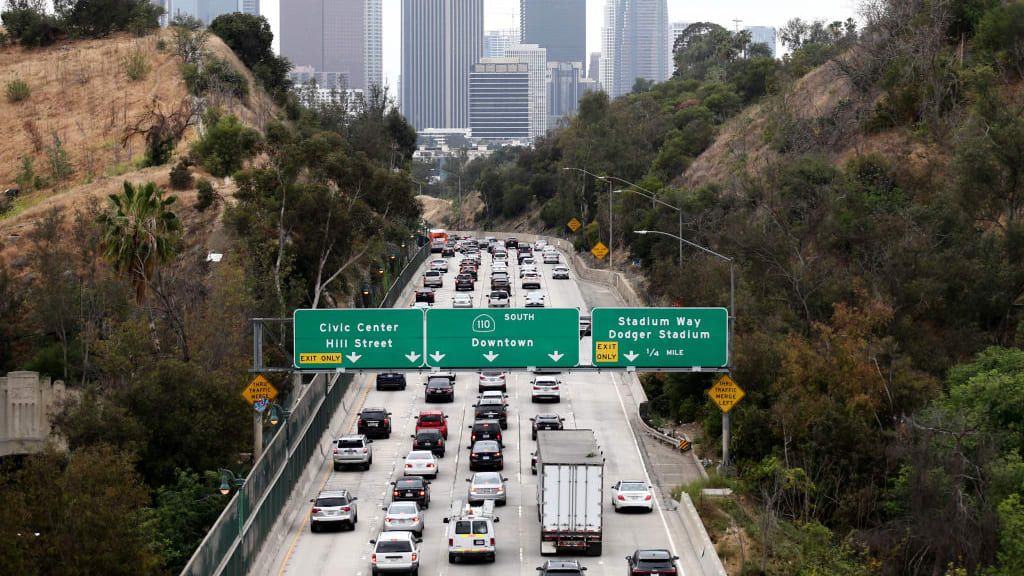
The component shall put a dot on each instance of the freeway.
(589, 400)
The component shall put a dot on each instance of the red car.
(433, 419)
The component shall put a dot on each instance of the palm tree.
(139, 233)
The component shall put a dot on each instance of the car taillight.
(387, 518)
(373, 558)
(647, 498)
(413, 556)
(430, 465)
(316, 510)
(336, 450)
(415, 518)
(473, 436)
(451, 542)
(366, 450)
(385, 421)
(395, 493)
(346, 509)
(554, 387)
(423, 492)
(408, 465)
(498, 454)
(492, 541)
(536, 387)
(621, 498)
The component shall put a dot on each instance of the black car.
(375, 423)
(486, 430)
(500, 281)
(464, 282)
(486, 455)
(425, 295)
(512, 243)
(411, 489)
(549, 421)
(470, 270)
(491, 409)
(533, 463)
(430, 439)
(652, 562)
(448, 252)
(390, 381)
(561, 568)
(439, 390)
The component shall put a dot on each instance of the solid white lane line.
(647, 476)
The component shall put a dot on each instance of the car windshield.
(492, 374)
(486, 447)
(428, 418)
(649, 563)
(419, 456)
(402, 508)
(471, 527)
(407, 484)
(350, 443)
(487, 479)
(374, 414)
(632, 487)
(428, 435)
(330, 502)
(437, 383)
(391, 546)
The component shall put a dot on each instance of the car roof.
(420, 453)
(413, 479)
(333, 494)
(548, 415)
(653, 554)
(395, 536)
(352, 437)
(561, 564)
(374, 409)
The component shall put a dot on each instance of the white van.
(471, 532)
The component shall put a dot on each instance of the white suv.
(545, 388)
(397, 551)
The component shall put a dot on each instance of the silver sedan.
(404, 516)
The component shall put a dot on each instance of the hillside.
(824, 110)
(81, 93)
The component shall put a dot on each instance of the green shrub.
(18, 90)
(206, 195)
(26, 176)
(60, 163)
(161, 45)
(136, 67)
(215, 75)
(226, 144)
(181, 176)
(31, 27)
(1001, 33)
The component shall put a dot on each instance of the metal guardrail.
(682, 444)
(233, 543)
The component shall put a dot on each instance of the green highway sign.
(355, 339)
(660, 337)
(503, 338)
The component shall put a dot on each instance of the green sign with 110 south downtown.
(660, 337)
(355, 339)
(503, 338)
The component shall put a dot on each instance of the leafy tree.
(77, 514)
(1001, 33)
(31, 26)
(140, 233)
(98, 18)
(251, 39)
(226, 144)
(184, 513)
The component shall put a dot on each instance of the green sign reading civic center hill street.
(358, 338)
(660, 337)
(503, 338)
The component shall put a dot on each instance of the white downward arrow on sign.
(490, 355)
(631, 356)
(437, 356)
(353, 357)
(556, 356)
(412, 356)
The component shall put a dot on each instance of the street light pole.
(636, 189)
(726, 465)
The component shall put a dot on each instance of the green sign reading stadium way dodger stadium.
(660, 337)
(356, 339)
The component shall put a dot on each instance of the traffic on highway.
(438, 473)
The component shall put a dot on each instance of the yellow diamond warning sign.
(574, 224)
(599, 251)
(726, 393)
(606, 352)
(259, 389)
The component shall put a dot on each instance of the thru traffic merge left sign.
(599, 250)
(726, 393)
(574, 224)
(259, 389)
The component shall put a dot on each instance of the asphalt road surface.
(589, 400)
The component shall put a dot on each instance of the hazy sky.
(501, 14)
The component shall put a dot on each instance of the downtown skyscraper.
(337, 38)
(635, 43)
(441, 41)
(559, 26)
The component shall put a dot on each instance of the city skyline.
(504, 14)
